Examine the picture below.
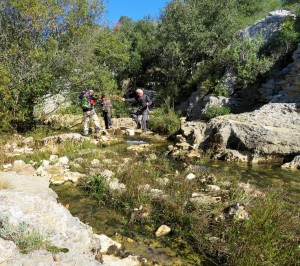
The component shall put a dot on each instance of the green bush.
(97, 188)
(217, 110)
(162, 122)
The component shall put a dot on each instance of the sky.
(134, 9)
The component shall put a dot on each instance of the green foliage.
(164, 120)
(54, 249)
(22, 235)
(37, 43)
(97, 188)
(72, 109)
(142, 44)
(285, 42)
(120, 109)
(216, 110)
(266, 237)
(252, 10)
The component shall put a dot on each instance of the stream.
(139, 240)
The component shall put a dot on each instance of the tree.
(141, 37)
(33, 36)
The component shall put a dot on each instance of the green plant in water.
(97, 188)
(216, 110)
(164, 120)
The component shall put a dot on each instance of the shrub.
(164, 120)
(26, 238)
(164, 123)
(217, 110)
(97, 188)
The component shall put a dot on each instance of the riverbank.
(202, 205)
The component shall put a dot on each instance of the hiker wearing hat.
(144, 102)
(88, 102)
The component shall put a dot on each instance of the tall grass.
(270, 237)
(164, 120)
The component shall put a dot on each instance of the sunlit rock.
(162, 231)
(213, 188)
(294, 164)
(22, 168)
(236, 212)
(202, 199)
(8, 250)
(190, 176)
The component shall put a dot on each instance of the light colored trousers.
(87, 116)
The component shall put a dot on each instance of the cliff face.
(270, 133)
(266, 28)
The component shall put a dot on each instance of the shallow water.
(262, 176)
(135, 142)
(140, 240)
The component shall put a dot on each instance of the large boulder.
(29, 200)
(269, 134)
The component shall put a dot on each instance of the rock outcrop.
(269, 134)
(267, 27)
(29, 200)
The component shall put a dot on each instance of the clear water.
(139, 240)
(263, 176)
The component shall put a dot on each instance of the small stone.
(7, 166)
(162, 231)
(63, 160)
(53, 158)
(45, 163)
(213, 188)
(190, 176)
(95, 162)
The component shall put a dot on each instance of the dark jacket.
(142, 101)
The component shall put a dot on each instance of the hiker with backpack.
(144, 102)
(88, 101)
(106, 111)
